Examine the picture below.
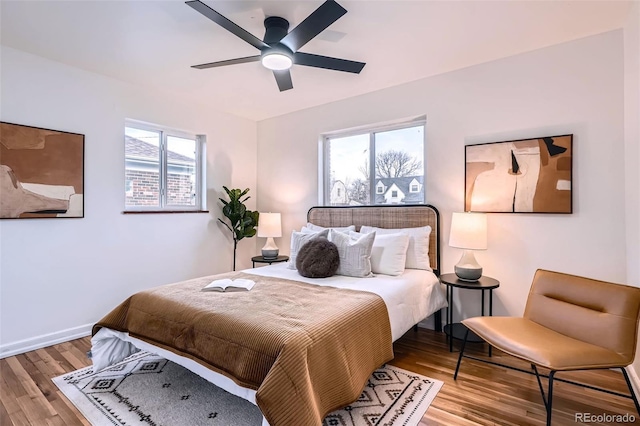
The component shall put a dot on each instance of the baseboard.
(26, 345)
(635, 380)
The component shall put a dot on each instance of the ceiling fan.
(279, 49)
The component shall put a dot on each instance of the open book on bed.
(228, 285)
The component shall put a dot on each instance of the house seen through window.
(376, 166)
(163, 168)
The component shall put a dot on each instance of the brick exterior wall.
(179, 192)
(144, 187)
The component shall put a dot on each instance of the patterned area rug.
(146, 389)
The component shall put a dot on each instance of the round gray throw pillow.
(318, 259)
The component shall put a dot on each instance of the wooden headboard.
(396, 216)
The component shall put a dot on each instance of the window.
(369, 161)
(128, 187)
(163, 169)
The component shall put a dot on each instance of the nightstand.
(457, 330)
(260, 259)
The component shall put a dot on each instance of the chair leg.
(633, 394)
(546, 399)
(550, 397)
(464, 343)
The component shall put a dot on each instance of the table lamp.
(269, 226)
(468, 232)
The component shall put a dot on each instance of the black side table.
(260, 259)
(458, 330)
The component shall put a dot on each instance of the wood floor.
(490, 395)
(482, 395)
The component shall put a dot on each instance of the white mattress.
(410, 298)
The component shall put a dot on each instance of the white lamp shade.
(468, 231)
(269, 225)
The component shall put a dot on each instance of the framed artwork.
(41, 173)
(521, 176)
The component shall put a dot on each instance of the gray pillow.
(298, 239)
(318, 258)
(355, 254)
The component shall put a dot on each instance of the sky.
(349, 153)
(180, 146)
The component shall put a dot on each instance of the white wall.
(575, 87)
(632, 141)
(59, 275)
(632, 147)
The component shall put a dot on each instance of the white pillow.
(389, 253)
(316, 228)
(107, 348)
(298, 239)
(418, 251)
(355, 254)
(305, 230)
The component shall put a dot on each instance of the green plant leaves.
(243, 221)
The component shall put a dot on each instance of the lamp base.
(270, 254)
(270, 250)
(465, 274)
(468, 268)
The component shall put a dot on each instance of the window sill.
(163, 211)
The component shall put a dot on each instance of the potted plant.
(243, 221)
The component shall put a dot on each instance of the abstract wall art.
(41, 173)
(520, 176)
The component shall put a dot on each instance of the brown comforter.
(306, 349)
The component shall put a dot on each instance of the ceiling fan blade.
(227, 62)
(314, 24)
(283, 78)
(227, 24)
(327, 62)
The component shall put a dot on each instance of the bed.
(305, 347)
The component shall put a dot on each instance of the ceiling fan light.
(277, 61)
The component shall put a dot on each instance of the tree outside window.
(397, 158)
